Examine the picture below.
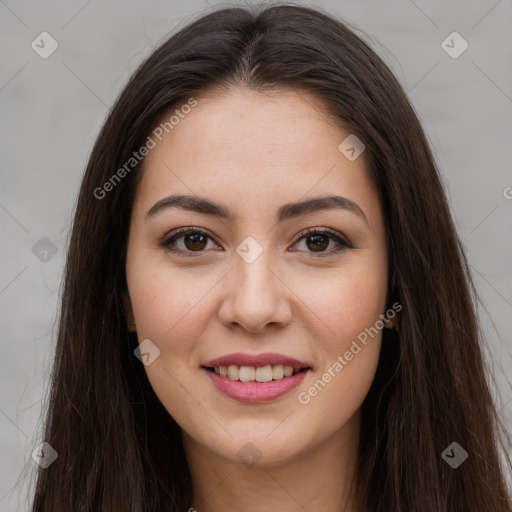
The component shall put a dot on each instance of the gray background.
(51, 111)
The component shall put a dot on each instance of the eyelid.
(333, 234)
(178, 233)
(341, 240)
(336, 235)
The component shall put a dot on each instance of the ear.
(393, 323)
(127, 306)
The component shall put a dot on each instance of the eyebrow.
(287, 211)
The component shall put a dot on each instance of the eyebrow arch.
(205, 206)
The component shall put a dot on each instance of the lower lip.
(256, 392)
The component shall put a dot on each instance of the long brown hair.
(118, 448)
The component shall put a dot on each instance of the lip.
(255, 392)
(244, 359)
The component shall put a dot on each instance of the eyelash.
(168, 240)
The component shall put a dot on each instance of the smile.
(254, 391)
(255, 378)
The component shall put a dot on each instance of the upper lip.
(267, 358)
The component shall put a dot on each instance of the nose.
(256, 296)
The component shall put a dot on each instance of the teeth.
(233, 372)
(258, 374)
(277, 372)
(264, 374)
(246, 373)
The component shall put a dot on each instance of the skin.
(254, 152)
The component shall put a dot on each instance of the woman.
(266, 304)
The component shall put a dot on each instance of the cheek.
(346, 304)
(169, 304)
(347, 320)
(170, 307)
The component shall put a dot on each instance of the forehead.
(245, 147)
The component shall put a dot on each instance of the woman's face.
(246, 281)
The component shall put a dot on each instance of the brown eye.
(318, 240)
(194, 240)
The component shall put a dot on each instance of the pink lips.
(256, 392)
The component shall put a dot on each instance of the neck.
(322, 478)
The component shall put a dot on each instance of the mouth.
(255, 378)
